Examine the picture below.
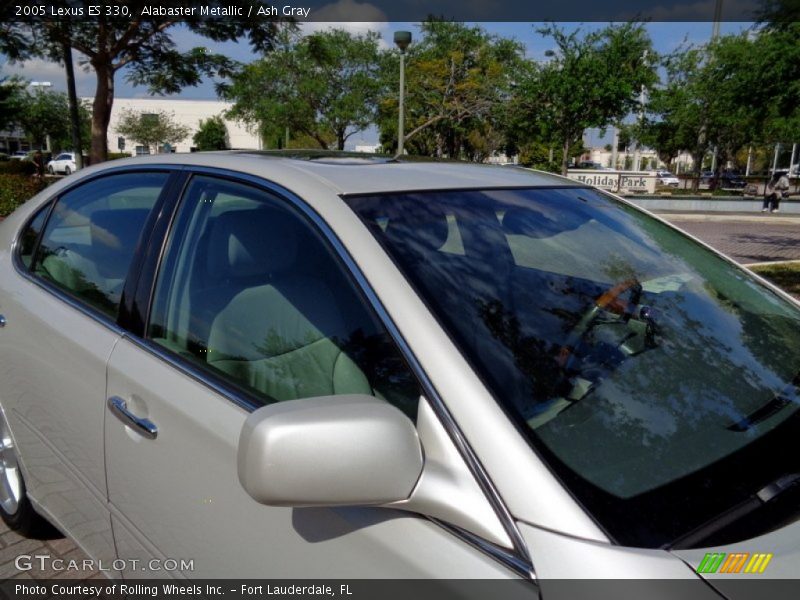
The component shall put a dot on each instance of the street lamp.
(402, 39)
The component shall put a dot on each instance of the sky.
(666, 36)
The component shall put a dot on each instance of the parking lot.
(746, 238)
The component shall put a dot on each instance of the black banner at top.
(404, 10)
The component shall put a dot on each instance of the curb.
(743, 218)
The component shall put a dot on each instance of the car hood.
(783, 544)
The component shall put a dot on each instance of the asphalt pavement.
(745, 237)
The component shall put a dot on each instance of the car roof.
(350, 173)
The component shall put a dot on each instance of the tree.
(12, 94)
(135, 40)
(212, 134)
(324, 85)
(44, 114)
(151, 129)
(592, 81)
(457, 80)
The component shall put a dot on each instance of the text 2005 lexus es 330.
(319, 367)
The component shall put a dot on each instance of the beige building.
(185, 112)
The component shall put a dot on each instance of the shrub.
(117, 155)
(3, 157)
(17, 189)
(17, 167)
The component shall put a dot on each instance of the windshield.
(657, 380)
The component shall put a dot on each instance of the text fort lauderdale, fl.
(223, 11)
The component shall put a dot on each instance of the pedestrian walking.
(777, 189)
(38, 162)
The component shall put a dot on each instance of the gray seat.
(281, 332)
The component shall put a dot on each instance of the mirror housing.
(345, 450)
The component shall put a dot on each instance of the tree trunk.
(340, 139)
(565, 158)
(74, 117)
(697, 156)
(101, 110)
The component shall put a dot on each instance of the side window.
(27, 242)
(250, 291)
(91, 236)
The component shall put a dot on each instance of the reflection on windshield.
(638, 362)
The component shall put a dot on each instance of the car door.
(60, 298)
(252, 306)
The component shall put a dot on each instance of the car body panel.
(50, 396)
(782, 544)
(558, 556)
(191, 469)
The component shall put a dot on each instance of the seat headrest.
(114, 235)
(244, 243)
(422, 228)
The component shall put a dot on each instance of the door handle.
(2, 321)
(144, 427)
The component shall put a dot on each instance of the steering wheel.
(609, 301)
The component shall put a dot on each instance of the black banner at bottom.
(402, 589)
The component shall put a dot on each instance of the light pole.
(402, 39)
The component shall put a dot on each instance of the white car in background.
(667, 178)
(63, 163)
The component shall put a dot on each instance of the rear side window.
(92, 234)
(27, 242)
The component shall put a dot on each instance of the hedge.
(17, 189)
(17, 167)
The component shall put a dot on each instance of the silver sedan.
(262, 366)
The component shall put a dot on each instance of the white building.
(185, 112)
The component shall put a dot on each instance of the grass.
(785, 276)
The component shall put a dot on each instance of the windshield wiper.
(758, 500)
(780, 401)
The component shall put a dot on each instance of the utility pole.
(636, 155)
(402, 39)
(614, 148)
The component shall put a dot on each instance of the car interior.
(252, 292)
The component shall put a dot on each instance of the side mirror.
(329, 451)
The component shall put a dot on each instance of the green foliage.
(211, 135)
(17, 189)
(151, 129)
(593, 80)
(46, 113)
(141, 43)
(17, 167)
(458, 79)
(323, 86)
(786, 276)
(738, 91)
(12, 101)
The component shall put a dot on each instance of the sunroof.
(325, 156)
